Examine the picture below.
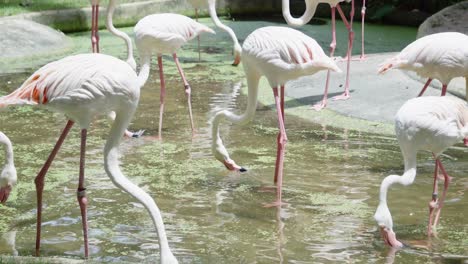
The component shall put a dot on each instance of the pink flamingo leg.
(447, 180)
(363, 15)
(434, 200)
(198, 37)
(444, 89)
(278, 151)
(282, 140)
(187, 91)
(94, 28)
(349, 26)
(161, 96)
(319, 106)
(39, 181)
(425, 87)
(81, 192)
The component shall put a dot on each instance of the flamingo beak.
(232, 166)
(389, 237)
(5, 193)
(237, 60)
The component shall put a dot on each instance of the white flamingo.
(311, 6)
(211, 5)
(423, 123)
(81, 87)
(8, 177)
(280, 54)
(441, 56)
(166, 33)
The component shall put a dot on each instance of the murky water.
(215, 216)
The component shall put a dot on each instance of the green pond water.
(331, 177)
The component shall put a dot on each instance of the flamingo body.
(8, 175)
(423, 123)
(166, 33)
(280, 54)
(441, 56)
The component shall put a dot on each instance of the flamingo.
(211, 5)
(166, 33)
(8, 177)
(424, 123)
(280, 54)
(441, 56)
(311, 5)
(81, 87)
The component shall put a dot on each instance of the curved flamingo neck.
(219, 24)
(311, 6)
(120, 34)
(9, 159)
(145, 65)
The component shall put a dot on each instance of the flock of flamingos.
(85, 85)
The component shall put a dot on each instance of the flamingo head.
(7, 181)
(237, 54)
(465, 142)
(232, 166)
(385, 222)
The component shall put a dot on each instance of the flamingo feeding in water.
(8, 177)
(166, 33)
(280, 54)
(441, 56)
(211, 5)
(81, 87)
(424, 123)
(311, 5)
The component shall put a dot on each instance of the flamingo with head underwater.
(81, 87)
(423, 123)
(8, 176)
(211, 5)
(280, 54)
(311, 6)
(166, 33)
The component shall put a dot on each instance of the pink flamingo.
(8, 176)
(280, 54)
(166, 33)
(81, 87)
(441, 56)
(423, 123)
(311, 5)
(211, 5)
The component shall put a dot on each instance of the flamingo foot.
(344, 96)
(389, 237)
(232, 166)
(5, 193)
(363, 57)
(320, 105)
(136, 134)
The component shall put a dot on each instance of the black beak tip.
(242, 169)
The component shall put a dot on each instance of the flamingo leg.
(349, 26)
(319, 106)
(198, 37)
(94, 28)
(188, 91)
(39, 181)
(444, 89)
(447, 180)
(162, 95)
(279, 135)
(433, 202)
(363, 15)
(282, 140)
(425, 87)
(81, 192)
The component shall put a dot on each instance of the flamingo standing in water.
(81, 87)
(280, 54)
(8, 176)
(166, 33)
(424, 123)
(311, 5)
(441, 56)
(211, 5)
